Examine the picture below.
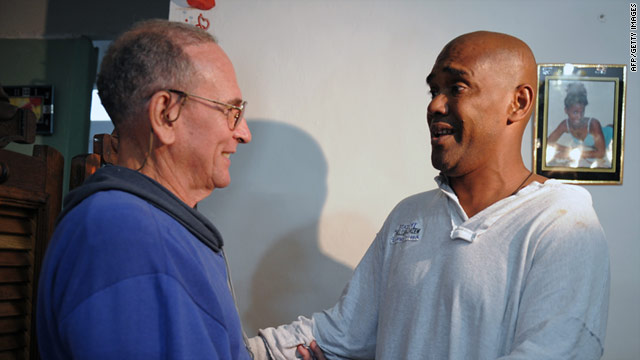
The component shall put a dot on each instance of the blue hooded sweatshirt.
(132, 272)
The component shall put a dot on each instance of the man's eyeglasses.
(234, 113)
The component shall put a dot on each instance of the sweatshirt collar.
(112, 177)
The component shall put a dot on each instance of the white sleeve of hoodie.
(346, 329)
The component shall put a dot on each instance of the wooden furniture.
(30, 201)
(104, 152)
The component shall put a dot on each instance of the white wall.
(337, 101)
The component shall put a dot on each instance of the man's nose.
(437, 105)
(242, 132)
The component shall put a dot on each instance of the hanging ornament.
(202, 4)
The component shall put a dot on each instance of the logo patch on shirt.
(406, 232)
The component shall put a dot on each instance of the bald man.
(496, 263)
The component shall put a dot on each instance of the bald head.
(509, 57)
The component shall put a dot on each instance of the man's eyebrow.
(450, 70)
(456, 72)
(235, 101)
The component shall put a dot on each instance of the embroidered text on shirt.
(406, 232)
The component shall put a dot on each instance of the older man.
(496, 263)
(133, 271)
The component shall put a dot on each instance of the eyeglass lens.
(237, 115)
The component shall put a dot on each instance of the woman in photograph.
(578, 141)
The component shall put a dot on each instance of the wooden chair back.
(30, 201)
(104, 152)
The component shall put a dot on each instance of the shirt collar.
(470, 229)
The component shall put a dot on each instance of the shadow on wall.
(269, 218)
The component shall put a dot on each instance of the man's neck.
(164, 174)
(478, 190)
(179, 186)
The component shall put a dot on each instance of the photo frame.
(38, 99)
(579, 123)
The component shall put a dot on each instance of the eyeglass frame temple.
(239, 108)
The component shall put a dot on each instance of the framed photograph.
(579, 123)
(38, 99)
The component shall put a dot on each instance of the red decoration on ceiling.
(202, 4)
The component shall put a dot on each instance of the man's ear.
(163, 111)
(523, 102)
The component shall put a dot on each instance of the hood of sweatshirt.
(112, 177)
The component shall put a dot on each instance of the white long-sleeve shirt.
(526, 278)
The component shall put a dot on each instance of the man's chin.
(221, 183)
(439, 164)
(445, 168)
